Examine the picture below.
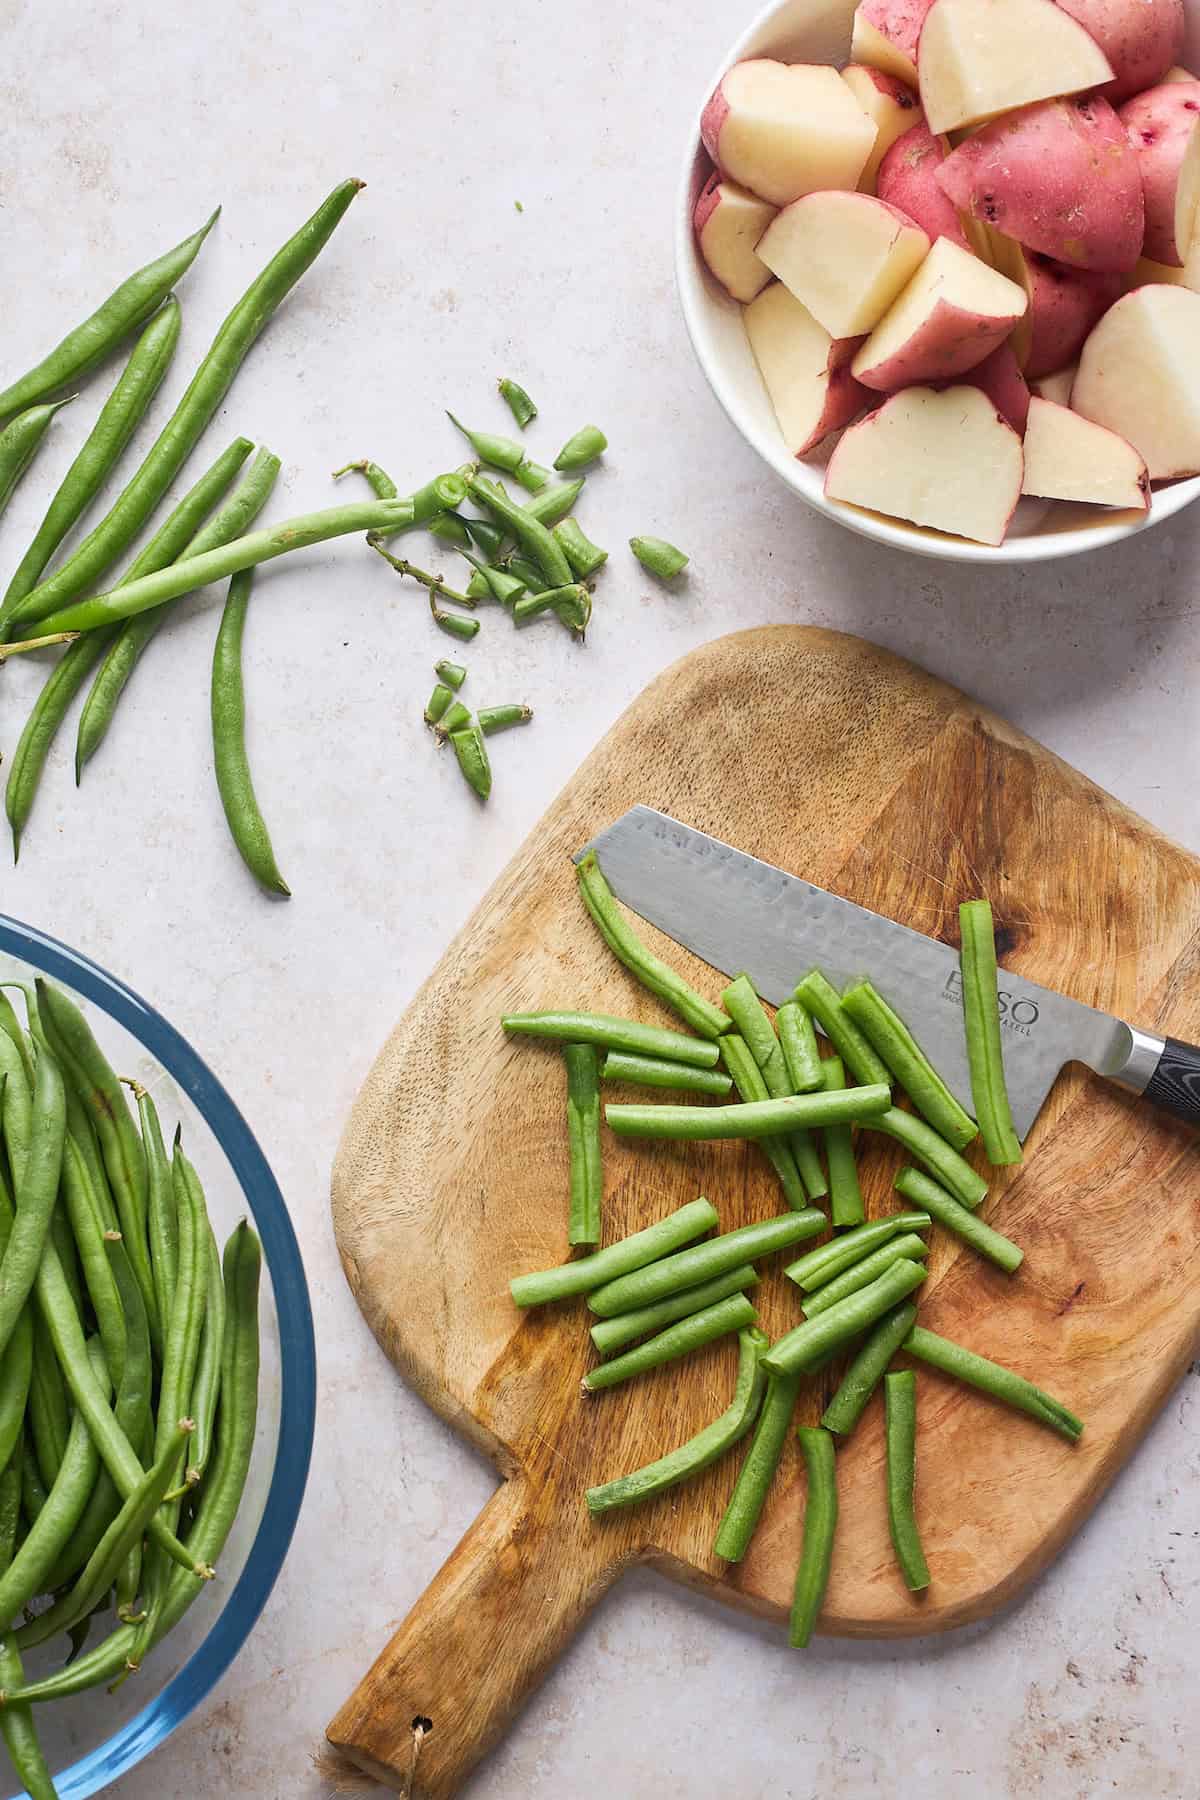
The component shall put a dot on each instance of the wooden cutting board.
(842, 763)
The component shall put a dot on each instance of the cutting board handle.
(477, 1642)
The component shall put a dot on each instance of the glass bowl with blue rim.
(93, 1738)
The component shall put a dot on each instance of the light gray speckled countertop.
(121, 125)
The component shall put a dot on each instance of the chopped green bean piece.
(527, 572)
(656, 1072)
(455, 718)
(862, 1274)
(757, 1472)
(498, 452)
(580, 450)
(450, 528)
(939, 1157)
(643, 1285)
(827, 1260)
(514, 396)
(612, 1334)
(701, 1451)
(798, 1040)
(981, 1012)
(439, 700)
(379, 481)
(584, 556)
(499, 583)
(571, 606)
(471, 751)
(499, 718)
(992, 1378)
(752, 1088)
(554, 503)
(477, 588)
(615, 1034)
(821, 998)
(588, 1272)
(628, 948)
(453, 674)
(867, 1369)
(583, 1135)
(533, 476)
(900, 1405)
(658, 557)
(486, 537)
(690, 1333)
(741, 1001)
(764, 1118)
(859, 1312)
(845, 1194)
(904, 1057)
(820, 1524)
(948, 1211)
(453, 624)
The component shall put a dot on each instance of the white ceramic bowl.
(819, 31)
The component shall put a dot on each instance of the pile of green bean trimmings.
(669, 1289)
(128, 1371)
(532, 555)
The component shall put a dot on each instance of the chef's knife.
(738, 913)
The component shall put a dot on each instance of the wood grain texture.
(836, 760)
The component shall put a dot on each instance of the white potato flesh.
(845, 255)
(890, 104)
(729, 221)
(1068, 457)
(1055, 387)
(952, 314)
(1139, 374)
(945, 460)
(804, 370)
(977, 58)
(783, 130)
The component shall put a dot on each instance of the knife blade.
(738, 913)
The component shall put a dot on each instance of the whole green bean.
(231, 760)
(757, 1472)
(499, 452)
(59, 1514)
(529, 531)
(127, 1529)
(899, 1049)
(611, 1334)
(471, 752)
(583, 1136)
(64, 1242)
(900, 1431)
(942, 1161)
(742, 1003)
(47, 1415)
(981, 1014)
(797, 1348)
(183, 429)
(657, 1072)
(763, 1118)
(984, 1239)
(532, 476)
(88, 1227)
(37, 1192)
(819, 997)
(119, 417)
(701, 1451)
(69, 674)
(87, 1068)
(453, 674)
(827, 1260)
(11, 1028)
(867, 1368)
(437, 704)
(584, 556)
(862, 1274)
(611, 1033)
(185, 576)
(688, 1334)
(798, 1041)
(659, 557)
(10, 1506)
(588, 1272)
(19, 443)
(649, 969)
(16, 1372)
(378, 480)
(994, 1379)
(162, 1220)
(230, 521)
(491, 719)
(571, 606)
(33, 1488)
(91, 1402)
(206, 1384)
(553, 504)
(820, 1526)
(181, 1346)
(220, 1494)
(18, 1729)
(748, 1080)
(583, 448)
(127, 308)
(517, 400)
(845, 1194)
(644, 1283)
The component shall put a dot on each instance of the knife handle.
(1175, 1083)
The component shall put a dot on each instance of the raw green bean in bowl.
(91, 1738)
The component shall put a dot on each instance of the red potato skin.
(845, 398)
(1141, 39)
(907, 179)
(1060, 176)
(1000, 378)
(1159, 124)
(707, 202)
(899, 21)
(712, 119)
(945, 348)
(1064, 304)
